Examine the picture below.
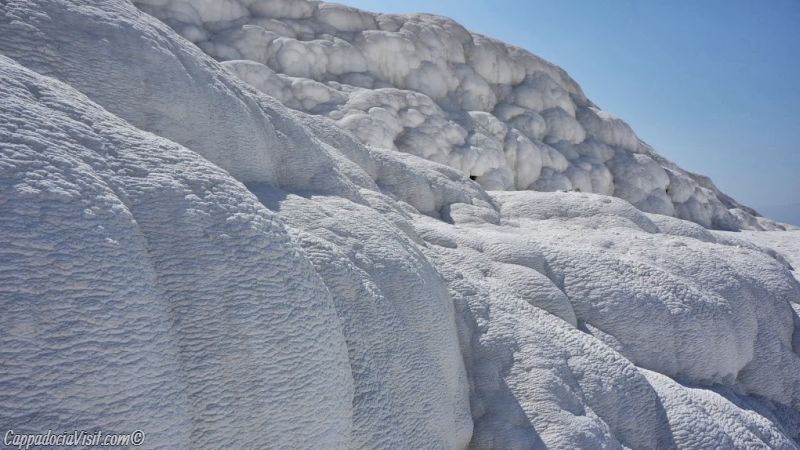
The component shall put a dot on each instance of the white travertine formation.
(424, 85)
(144, 288)
(183, 254)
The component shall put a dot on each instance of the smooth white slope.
(424, 85)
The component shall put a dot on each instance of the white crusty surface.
(187, 255)
(693, 413)
(235, 293)
(424, 85)
(144, 288)
(785, 243)
(709, 312)
(411, 389)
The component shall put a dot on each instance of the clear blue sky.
(713, 85)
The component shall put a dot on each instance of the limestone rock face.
(302, 261)
(424, 85)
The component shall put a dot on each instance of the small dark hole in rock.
(473, 177)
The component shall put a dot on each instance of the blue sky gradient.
(713, 85)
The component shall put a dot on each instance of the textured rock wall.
(424, 85)
(182, 254)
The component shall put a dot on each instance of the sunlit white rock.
(183, 254)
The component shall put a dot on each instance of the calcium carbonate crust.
(424, 85)
(183, 254)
